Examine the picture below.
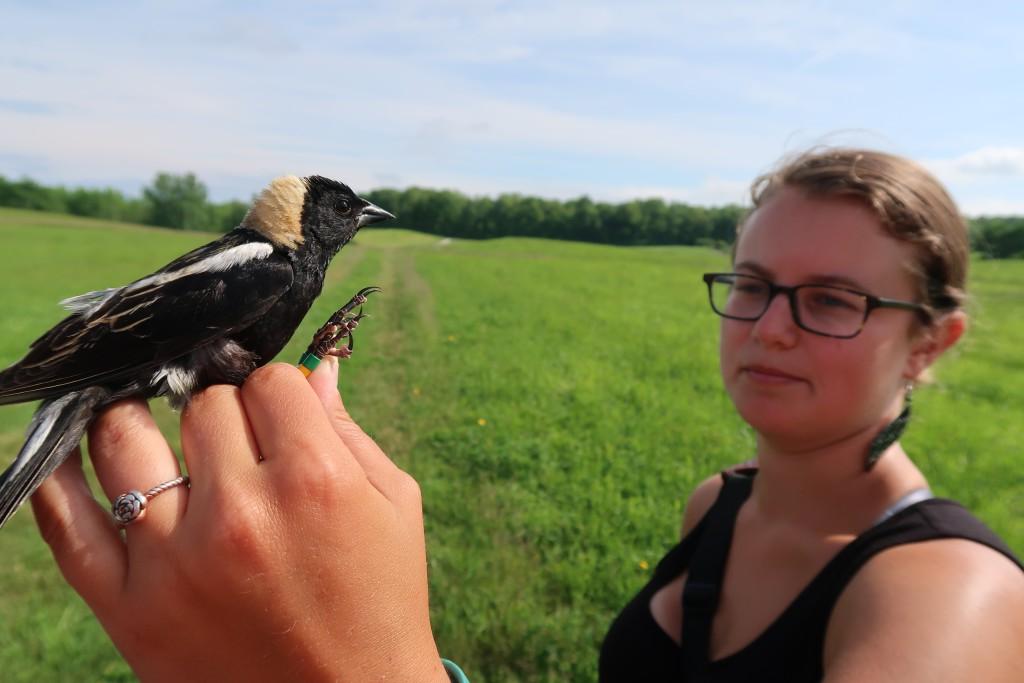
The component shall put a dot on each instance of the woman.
(852, 268)
(848, 285)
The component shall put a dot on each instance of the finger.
(216, 438)
(377, 465)
(81, 534)
(287, 417)
(129, 453)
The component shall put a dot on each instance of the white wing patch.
(88, 302)
(223, 260)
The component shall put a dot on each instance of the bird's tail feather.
(55, 430)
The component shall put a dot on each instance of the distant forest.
(180, 201)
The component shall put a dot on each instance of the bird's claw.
(340, 325)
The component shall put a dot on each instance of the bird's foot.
(339, 326)
(359, 299)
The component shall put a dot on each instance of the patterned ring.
(131, 507)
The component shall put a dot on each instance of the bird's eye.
(343, 206)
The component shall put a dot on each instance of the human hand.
(296, 554)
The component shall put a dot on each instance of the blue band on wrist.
(456, 674)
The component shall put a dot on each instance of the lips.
(765, 373)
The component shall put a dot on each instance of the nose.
(777, 327)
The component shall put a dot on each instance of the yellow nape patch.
(277, 212)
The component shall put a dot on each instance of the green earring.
(889, 433)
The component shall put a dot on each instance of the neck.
(315, 255)
(825, 491)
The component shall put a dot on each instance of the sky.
(687, 101)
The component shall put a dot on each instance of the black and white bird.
(209, 317)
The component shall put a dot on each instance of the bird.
(211, 316)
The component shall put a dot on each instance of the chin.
(773, 418)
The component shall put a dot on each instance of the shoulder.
(700, 501)
(948, 609)
(704, 496)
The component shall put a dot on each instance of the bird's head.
(292, 210)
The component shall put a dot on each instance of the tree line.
(181, 201)
(170, 201)
(641, 221)
(998, 236)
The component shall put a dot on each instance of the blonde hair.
(911, 204)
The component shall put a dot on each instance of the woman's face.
(798, 389)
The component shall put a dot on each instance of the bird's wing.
(210, 292)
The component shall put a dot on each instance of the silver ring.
(131, 506)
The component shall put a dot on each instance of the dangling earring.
(890, 432)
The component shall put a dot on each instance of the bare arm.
(949, 610)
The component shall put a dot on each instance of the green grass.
(556, 402)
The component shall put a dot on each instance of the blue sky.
(683, 100)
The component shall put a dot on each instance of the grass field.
(556, 401)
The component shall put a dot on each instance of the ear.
(933, 341)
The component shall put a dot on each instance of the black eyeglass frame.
(872, 302)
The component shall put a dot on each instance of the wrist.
(430, 666)
(436, 673)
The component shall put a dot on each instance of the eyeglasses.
(820, 309)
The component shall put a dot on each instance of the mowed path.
(401, 325)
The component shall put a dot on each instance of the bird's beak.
(372, 213)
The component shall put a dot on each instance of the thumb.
(324, 381)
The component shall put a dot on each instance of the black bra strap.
(707, 567)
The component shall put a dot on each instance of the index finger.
(286, 416)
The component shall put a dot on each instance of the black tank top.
(790, 649)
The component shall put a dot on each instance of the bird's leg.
(358, 300)
(340, 325)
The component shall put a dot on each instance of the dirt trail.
(417, 290)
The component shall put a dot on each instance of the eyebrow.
(816, 278)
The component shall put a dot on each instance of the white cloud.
(711, 191)
(615, 100)
(992, 206)
(988, 180)
(999, 161)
